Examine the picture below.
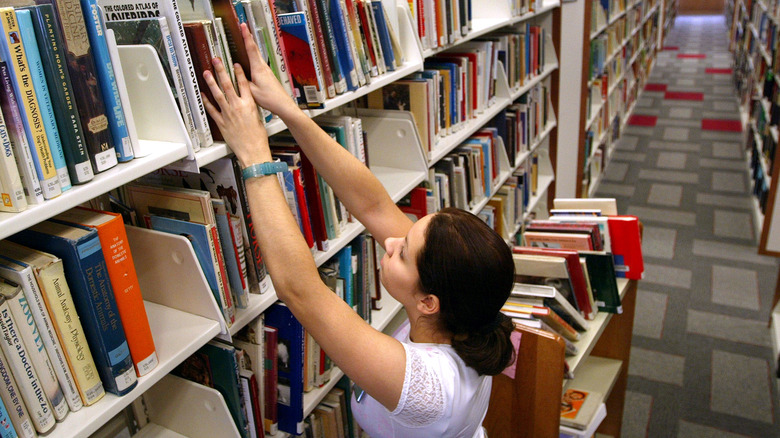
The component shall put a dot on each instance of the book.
(290, 364)
(19, 363)
(9, 393)
(626, 240)
(124, 95)
(201, 236)
(578, 407)
(6, 426)
(21, 78)
(12, 197)
(107, 81)
(22, 273)
(383, 30)
(124, 282)
(270, 377)
(169, 9)
(542, 239)
(18, 138)
(225, 375)
(249, 395)
(88, 96)
(50, 45)
(27, 330)
(601, 271)
(340, 40)
(50, 275)
(295, 31)
(30, 43)
(238, 287)
(87, 276)
(608, 206)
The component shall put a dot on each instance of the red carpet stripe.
(719, 71)
(683, 95)
(640, 120)
(721, 125)
(655, 87)
(691, 55)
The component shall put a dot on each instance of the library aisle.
(701, 353)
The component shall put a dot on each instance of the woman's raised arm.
(354, 184)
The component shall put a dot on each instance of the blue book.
(346, 62)
(198, 235)
(345, 272)
(30, 44)
(290, 367)
(6, 428)
(384, 34)
(486, 161)
(454, 75)
(107, 81)
(229, 254)
(87, 276)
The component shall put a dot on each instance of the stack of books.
(72, 316)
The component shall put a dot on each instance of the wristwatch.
(263, 169)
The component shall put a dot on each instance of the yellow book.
(49, 272)
(11, 47)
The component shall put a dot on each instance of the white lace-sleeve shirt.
(441, 397)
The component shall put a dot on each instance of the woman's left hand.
(236, 115)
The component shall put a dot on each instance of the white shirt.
(441, 397)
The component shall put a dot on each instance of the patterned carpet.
(700, 358)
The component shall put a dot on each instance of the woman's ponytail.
(488, 350)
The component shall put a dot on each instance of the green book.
(603, 282)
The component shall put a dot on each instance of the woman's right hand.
(266, 90)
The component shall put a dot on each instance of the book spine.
(384, 34)
(322, 51)
(89, 100)
(12, 399)
(222, 281)
(107, 81)
(19, 362)
(7, 429)
(342, 42)
(378, 52)
(360, 69)
(246, 401)
(13, 119)
(171, 12)
(28, 105)
(277, 45)
(59, 302)
(30, 43)
(298, 36)
(51, 343)
(12, 197)
(230, 258)
(127, 292)
(270, 375)
(321, 6)
(235, 231)
(31, 338)
(253, 249)
(87, 277)
(178, 81)
(49, 37)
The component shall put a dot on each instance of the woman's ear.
(428, 305)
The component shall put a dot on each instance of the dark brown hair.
(469, 267)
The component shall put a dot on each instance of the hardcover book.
(12, 52)
(12, 196)
(9, 393)
(50, 45)
(307, 78)
(89, 98)
(27, 331)
(86, 274)
(22, 273)
(290, 367)
(58, 301)
(19, 363)
(124, 282)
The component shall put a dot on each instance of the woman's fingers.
(212, 110)
(224, 79)
(216, 92)
(243, 83)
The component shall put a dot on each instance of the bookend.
(156, 114)
(169, 274)
(523, 407)
(187, 408)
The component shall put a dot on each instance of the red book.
(293, 160)
(626, 246)
(415, 204)
(201, 58)
(576, 275)
(270, 375)
(591, 228)
(225, 10)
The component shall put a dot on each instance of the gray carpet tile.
(700, 361)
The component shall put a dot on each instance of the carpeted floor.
(701, 354)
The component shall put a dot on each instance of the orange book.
(124, 281)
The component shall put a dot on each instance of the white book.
(9, 393)
(11, 190)
(22, 274)
(262, 11)
(31, 338)
(27, 378)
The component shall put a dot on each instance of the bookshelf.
(622, 43)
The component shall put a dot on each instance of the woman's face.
(399, 265)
